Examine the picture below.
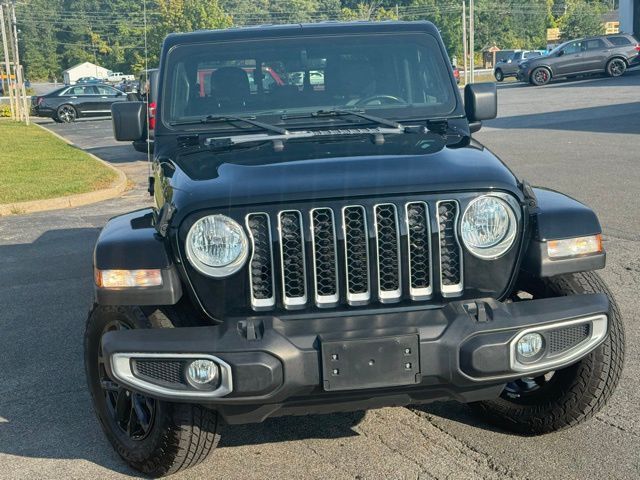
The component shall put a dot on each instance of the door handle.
(103, 97)
(74, 97)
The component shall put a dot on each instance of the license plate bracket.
(355, 364)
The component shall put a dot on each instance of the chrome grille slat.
(261, 275)
(356, 247)
(325, 257)
(419, 250)
(292, 259)
(451, 268)
(388, 252)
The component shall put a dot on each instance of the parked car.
(88, 80)
(456, 73)
(509, 67)
(147, 93)
(609, 54)
(343, 248)
(118, 77)
(68, 103)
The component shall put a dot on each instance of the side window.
(619, 41)
(89, 90)
(595, 44)
(102, 90)
(573, 47)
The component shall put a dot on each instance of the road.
(581, 137)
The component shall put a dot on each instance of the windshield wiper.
(231, 119)
(337, 112)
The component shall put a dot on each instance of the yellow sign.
(612, 27)
(553, 34)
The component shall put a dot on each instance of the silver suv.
(610, 54)
(509, 66)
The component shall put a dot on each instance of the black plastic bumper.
(283, 366)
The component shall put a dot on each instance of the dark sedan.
(68, 103)
(610, 54)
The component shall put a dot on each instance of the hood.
(450, 169)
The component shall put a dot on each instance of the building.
(630, 16)
(86, 69)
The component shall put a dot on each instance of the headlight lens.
(488, 227)
(217, 246)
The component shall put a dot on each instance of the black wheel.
(616, 67)
(540, 76)
(155, 437)
(566, 397)
(66, 114)
(499, 75)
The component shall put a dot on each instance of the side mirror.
(128, 120)
(480, 103)
(560, 53)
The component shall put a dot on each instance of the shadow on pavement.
(622, 118)
(124, 153)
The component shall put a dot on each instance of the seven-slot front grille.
(353, 254)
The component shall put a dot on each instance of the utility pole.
(7, 63)
(464, 41)
(16, 57)
(471, 40)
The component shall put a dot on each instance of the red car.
(456, 74)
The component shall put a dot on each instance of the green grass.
(35, 165)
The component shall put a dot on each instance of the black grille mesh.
(449, 251)
(324, 243)
(565, 338)
(261, 266)
(167, 371)
(418, 231)
(356, 238)
(292, 254)
(387, 238)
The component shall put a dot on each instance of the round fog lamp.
(201, 373)
(530, 345)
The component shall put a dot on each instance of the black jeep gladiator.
(327, 236)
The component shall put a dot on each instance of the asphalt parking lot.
(580, 137)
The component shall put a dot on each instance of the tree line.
(57, 34)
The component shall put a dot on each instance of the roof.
(299, 29)
(93, 65)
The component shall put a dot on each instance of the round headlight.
(217, 246)
(488, 227)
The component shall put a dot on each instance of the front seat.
(349, 79)
(229, 87)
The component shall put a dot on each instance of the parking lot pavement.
(579, 137)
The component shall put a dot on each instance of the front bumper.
(274, 366)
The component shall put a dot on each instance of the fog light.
(203, 373)
(530, 346)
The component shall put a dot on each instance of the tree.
(581, 20)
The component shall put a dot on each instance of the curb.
(69, 201)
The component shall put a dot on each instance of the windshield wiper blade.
(230, 119)
(337, 112)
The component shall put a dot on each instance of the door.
(571, 61)
(107, 96)
(82, 97)
(595, 54)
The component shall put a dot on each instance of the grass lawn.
(35, 165)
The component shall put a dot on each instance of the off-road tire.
(580, 390)
(616, 67)
(182, 435)
(540, 76)
(499, 75)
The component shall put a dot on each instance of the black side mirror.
(480, 103)
(560, 53)
(128, 120)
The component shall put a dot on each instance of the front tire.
(154, 437)
(616, 67)
(569, 396)
(540, 76)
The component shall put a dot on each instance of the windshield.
(395, 76)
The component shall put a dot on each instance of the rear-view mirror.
(128, 120)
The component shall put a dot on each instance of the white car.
(119, 77)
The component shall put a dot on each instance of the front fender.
(556, 217)
(130, 242)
